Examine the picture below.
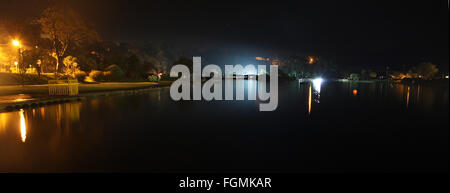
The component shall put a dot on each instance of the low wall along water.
(63, 87)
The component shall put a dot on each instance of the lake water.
(339, 126)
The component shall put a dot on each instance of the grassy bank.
(9, 79)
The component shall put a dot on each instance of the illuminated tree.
(64, 28)
(71, 65)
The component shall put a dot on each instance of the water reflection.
(309, 99)
(317, 83)
(251, 89)
(407, 97)
(159, 95)
(425, 96)
(418, 93)
(314, 90)
(18, 123)
(3, 121)
(23, 126)
(411, 95)
(42, 109)
(97, 132)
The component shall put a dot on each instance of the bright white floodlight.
(317, 83)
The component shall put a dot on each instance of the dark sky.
(355, 32)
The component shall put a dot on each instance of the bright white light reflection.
(317, 83)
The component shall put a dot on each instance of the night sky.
(356, 33)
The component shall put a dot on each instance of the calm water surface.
(332, 127)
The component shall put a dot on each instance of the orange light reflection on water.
(309, 99)
(407, 97)
(23, 127)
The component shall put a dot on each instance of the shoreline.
(40, 99)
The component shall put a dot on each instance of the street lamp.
(16, 43)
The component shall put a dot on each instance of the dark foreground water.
(342, 127)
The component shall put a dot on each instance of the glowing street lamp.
(16, 43)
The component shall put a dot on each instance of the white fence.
(63, 87)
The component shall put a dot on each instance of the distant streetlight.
(15, 65)
(311, 60)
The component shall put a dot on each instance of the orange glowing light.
(16, 43)
(310, 60)
(355, 92)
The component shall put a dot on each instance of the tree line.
(62, 42)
